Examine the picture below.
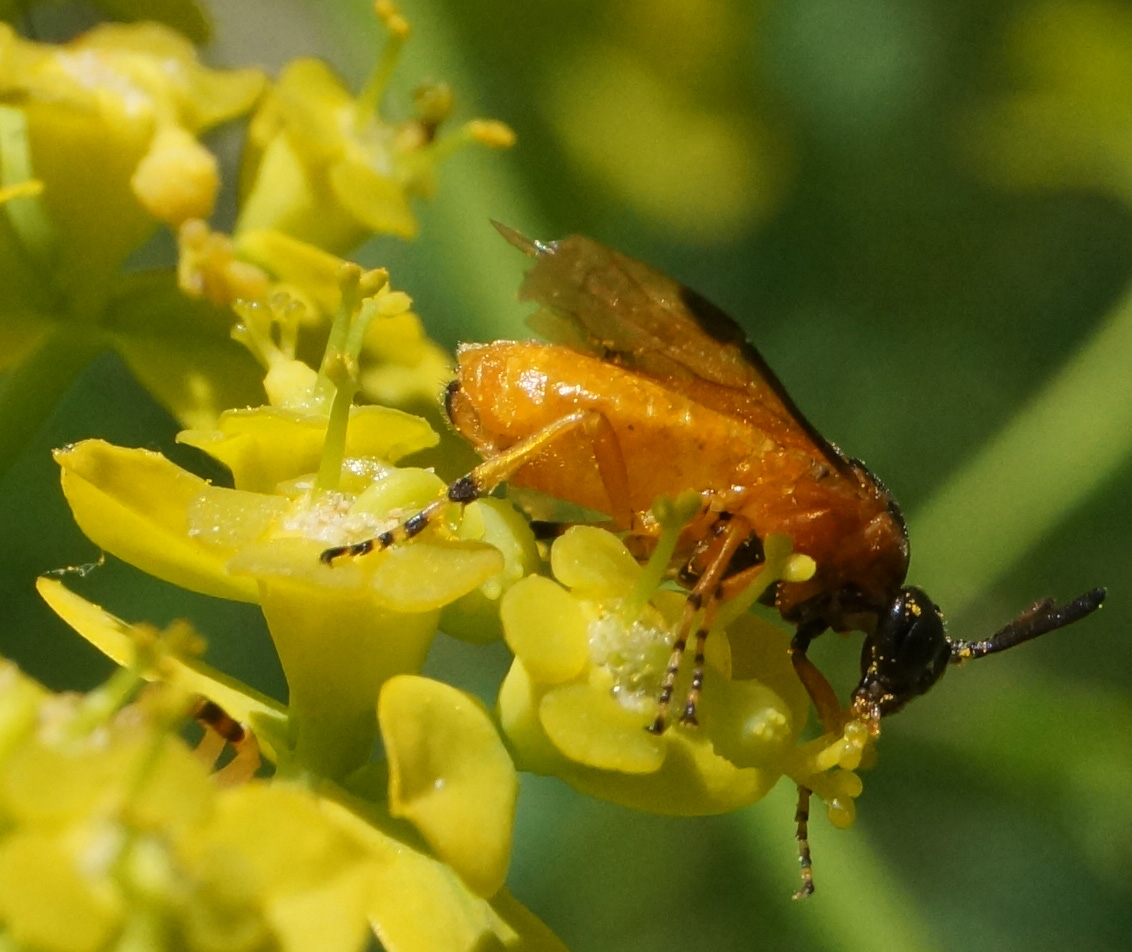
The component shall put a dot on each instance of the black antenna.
(1039, 618)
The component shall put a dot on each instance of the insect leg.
(688, 717)
(817, 685)
(611, 466)
(704, 595)
(220, 729)
(802, 835)
(660, 722)
(485, 477)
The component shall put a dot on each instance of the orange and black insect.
(651, 390)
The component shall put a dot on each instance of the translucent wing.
(603, 302)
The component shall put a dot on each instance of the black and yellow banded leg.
(220, 729)
(802, 835)
(705, 595)
(675, 659)
(688, 715)
(499, 468)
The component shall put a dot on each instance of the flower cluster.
(391, 793)
(323, 170)
(589, 660)
(115, 836)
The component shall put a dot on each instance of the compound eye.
(908, 653)
(914, 631)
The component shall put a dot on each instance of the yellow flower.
(131, 100)
(310, 472)
(111, 833)
(590, 654)
(340, 630)
(279, 284)
(128, 99)
(323, 166)
(107, 125)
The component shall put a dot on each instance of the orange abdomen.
(670, 444)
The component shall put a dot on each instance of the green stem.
(334, 447)
(369, 99)
(673, 515)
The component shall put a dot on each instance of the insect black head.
(904, 657)
(910, 651)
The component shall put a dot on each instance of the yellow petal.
(116, 639)
(265, 446)
(593, 562)
(450, 775)
(475, 616)
(510, 532)
(424, 575)
(590, 727)
(402, 364)
(308, 102)
(47, 901)
(310, 877)
(378, 201)
(591, 744)
(761, 650)
(530, 932)
(229, 519)
(747, 722)
(289, 196)
(163, 63)
(546, 627)
(20, 697)
(294, 262)
(399, 492)
(518, 705)
(419, 904)
(134, 503)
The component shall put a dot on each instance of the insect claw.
(688, 718)
(658, 725)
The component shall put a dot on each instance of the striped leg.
(220, 729)
(705, 594)
(802, 835)
(497, 469)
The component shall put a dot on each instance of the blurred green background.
(921, 212)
